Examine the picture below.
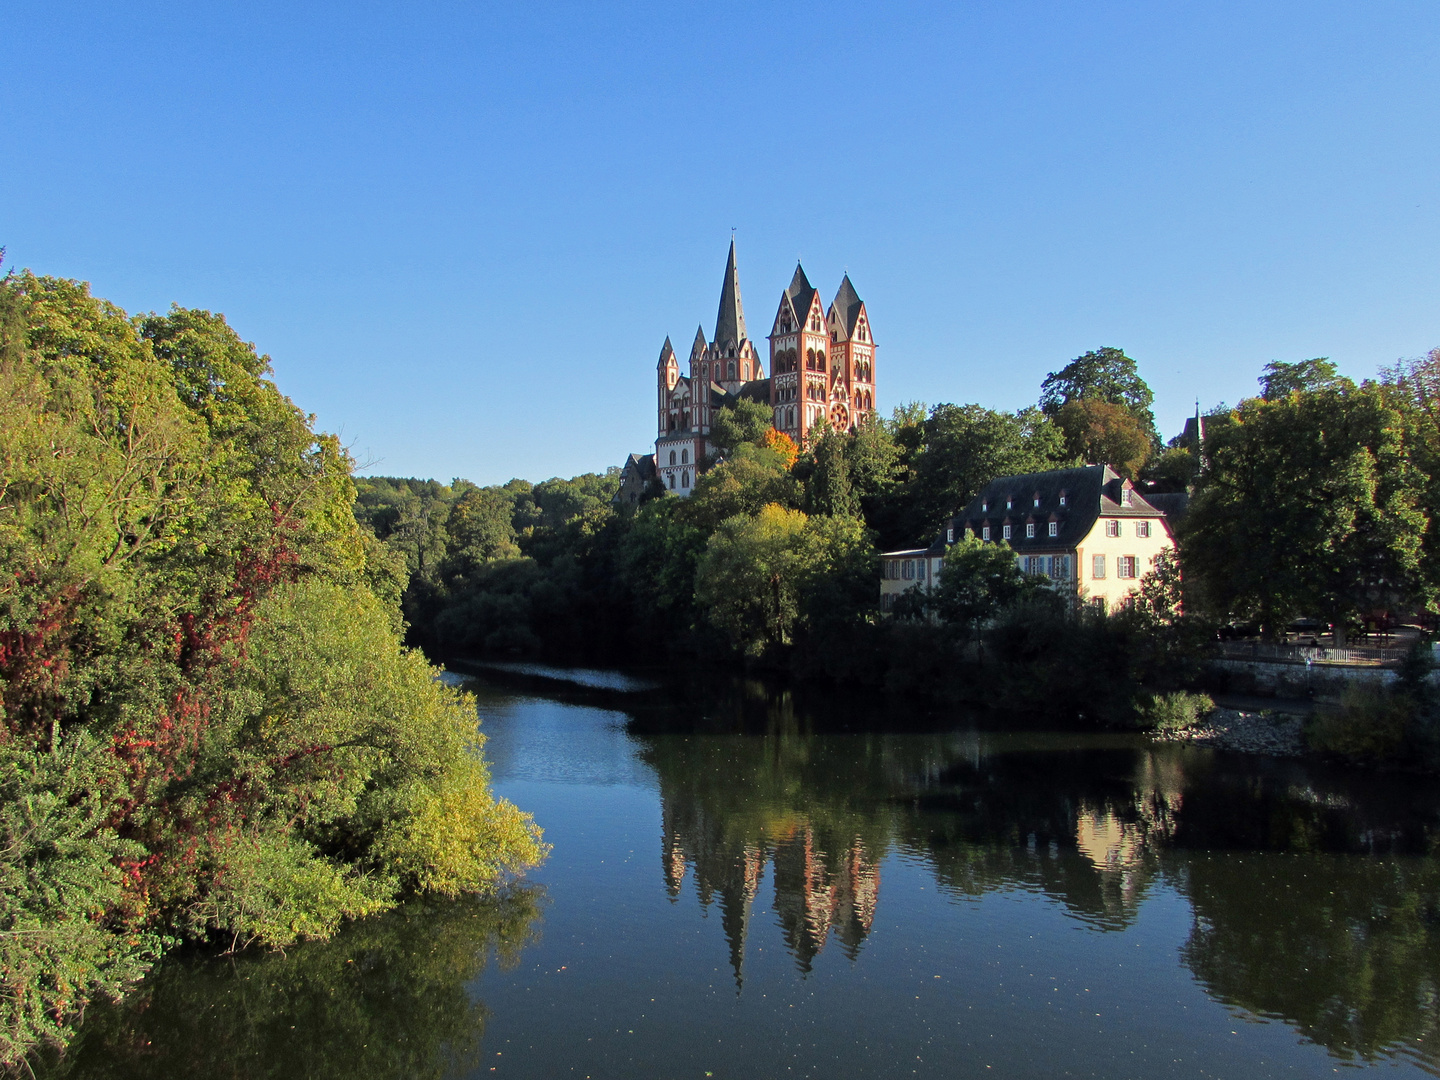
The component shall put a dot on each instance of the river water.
(746, 883)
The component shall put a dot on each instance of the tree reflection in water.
(1346, 950)
(386, 997)
(1315, 898)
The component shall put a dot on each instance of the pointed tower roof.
(667, 353)
(847, 304)
(700, 343)
(730, 322)
(800, 292)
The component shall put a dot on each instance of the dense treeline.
(772, 559)
(1314, 498)
(209, 727)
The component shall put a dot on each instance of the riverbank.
(1246, 732)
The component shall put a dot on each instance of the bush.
(1368, 724)
(1174, 711)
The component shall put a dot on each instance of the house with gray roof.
(1087, 529)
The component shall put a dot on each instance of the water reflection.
(1347, 950)
(1306, 906)
(385, 998)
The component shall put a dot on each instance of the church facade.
(821, 363)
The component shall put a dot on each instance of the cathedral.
(822, 370)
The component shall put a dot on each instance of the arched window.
(731, 367)
(685, 478)
(672, 481)
(819, 359)
(672, 457)
(684, 457)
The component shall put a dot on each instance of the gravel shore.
(1276, 734)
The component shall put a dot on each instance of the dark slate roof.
(730, 322)
(800, 292)
(1173, 504)
(700, 343)
(847, 302)
(756, 390)
(1193, 437)
(667, 353)
(643, 465)
(1090, 491)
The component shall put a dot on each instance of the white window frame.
(1097, 568)
(1030, 530)
(1004, 532)
(1054, 528)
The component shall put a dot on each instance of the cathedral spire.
(730, 322)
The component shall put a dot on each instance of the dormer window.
(1064, 499)
(1009, 502)
(985, 533)
(1037, 498)
(985, 504)
(1054, 528)
(950, 535)
(1126, 497)
(1030, 530)
(1005, 532)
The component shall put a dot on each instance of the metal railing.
(1315, 654)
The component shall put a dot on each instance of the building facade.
(822, 364)
(1086, 529)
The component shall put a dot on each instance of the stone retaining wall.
(1283, 678)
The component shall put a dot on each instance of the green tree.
(1412, 388)
(748, 580)
(1101, 375)
(967, 446)
(1305, 376)
(744, 421)
(1308, 506)
(480, 529)
(752, 478)
(1172, 469)
(976, 580)
(1099, 433)
(824, 469)
(188, 604)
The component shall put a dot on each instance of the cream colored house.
(1086, 529)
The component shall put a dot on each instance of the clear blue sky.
(462, 231)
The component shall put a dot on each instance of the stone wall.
(1288, 678)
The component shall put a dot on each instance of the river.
(752, 883)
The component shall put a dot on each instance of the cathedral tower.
(852, 356)
(822, 364)
(812, 360)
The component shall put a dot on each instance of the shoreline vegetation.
(210, 729)
(220, 725)
(1313, 503)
